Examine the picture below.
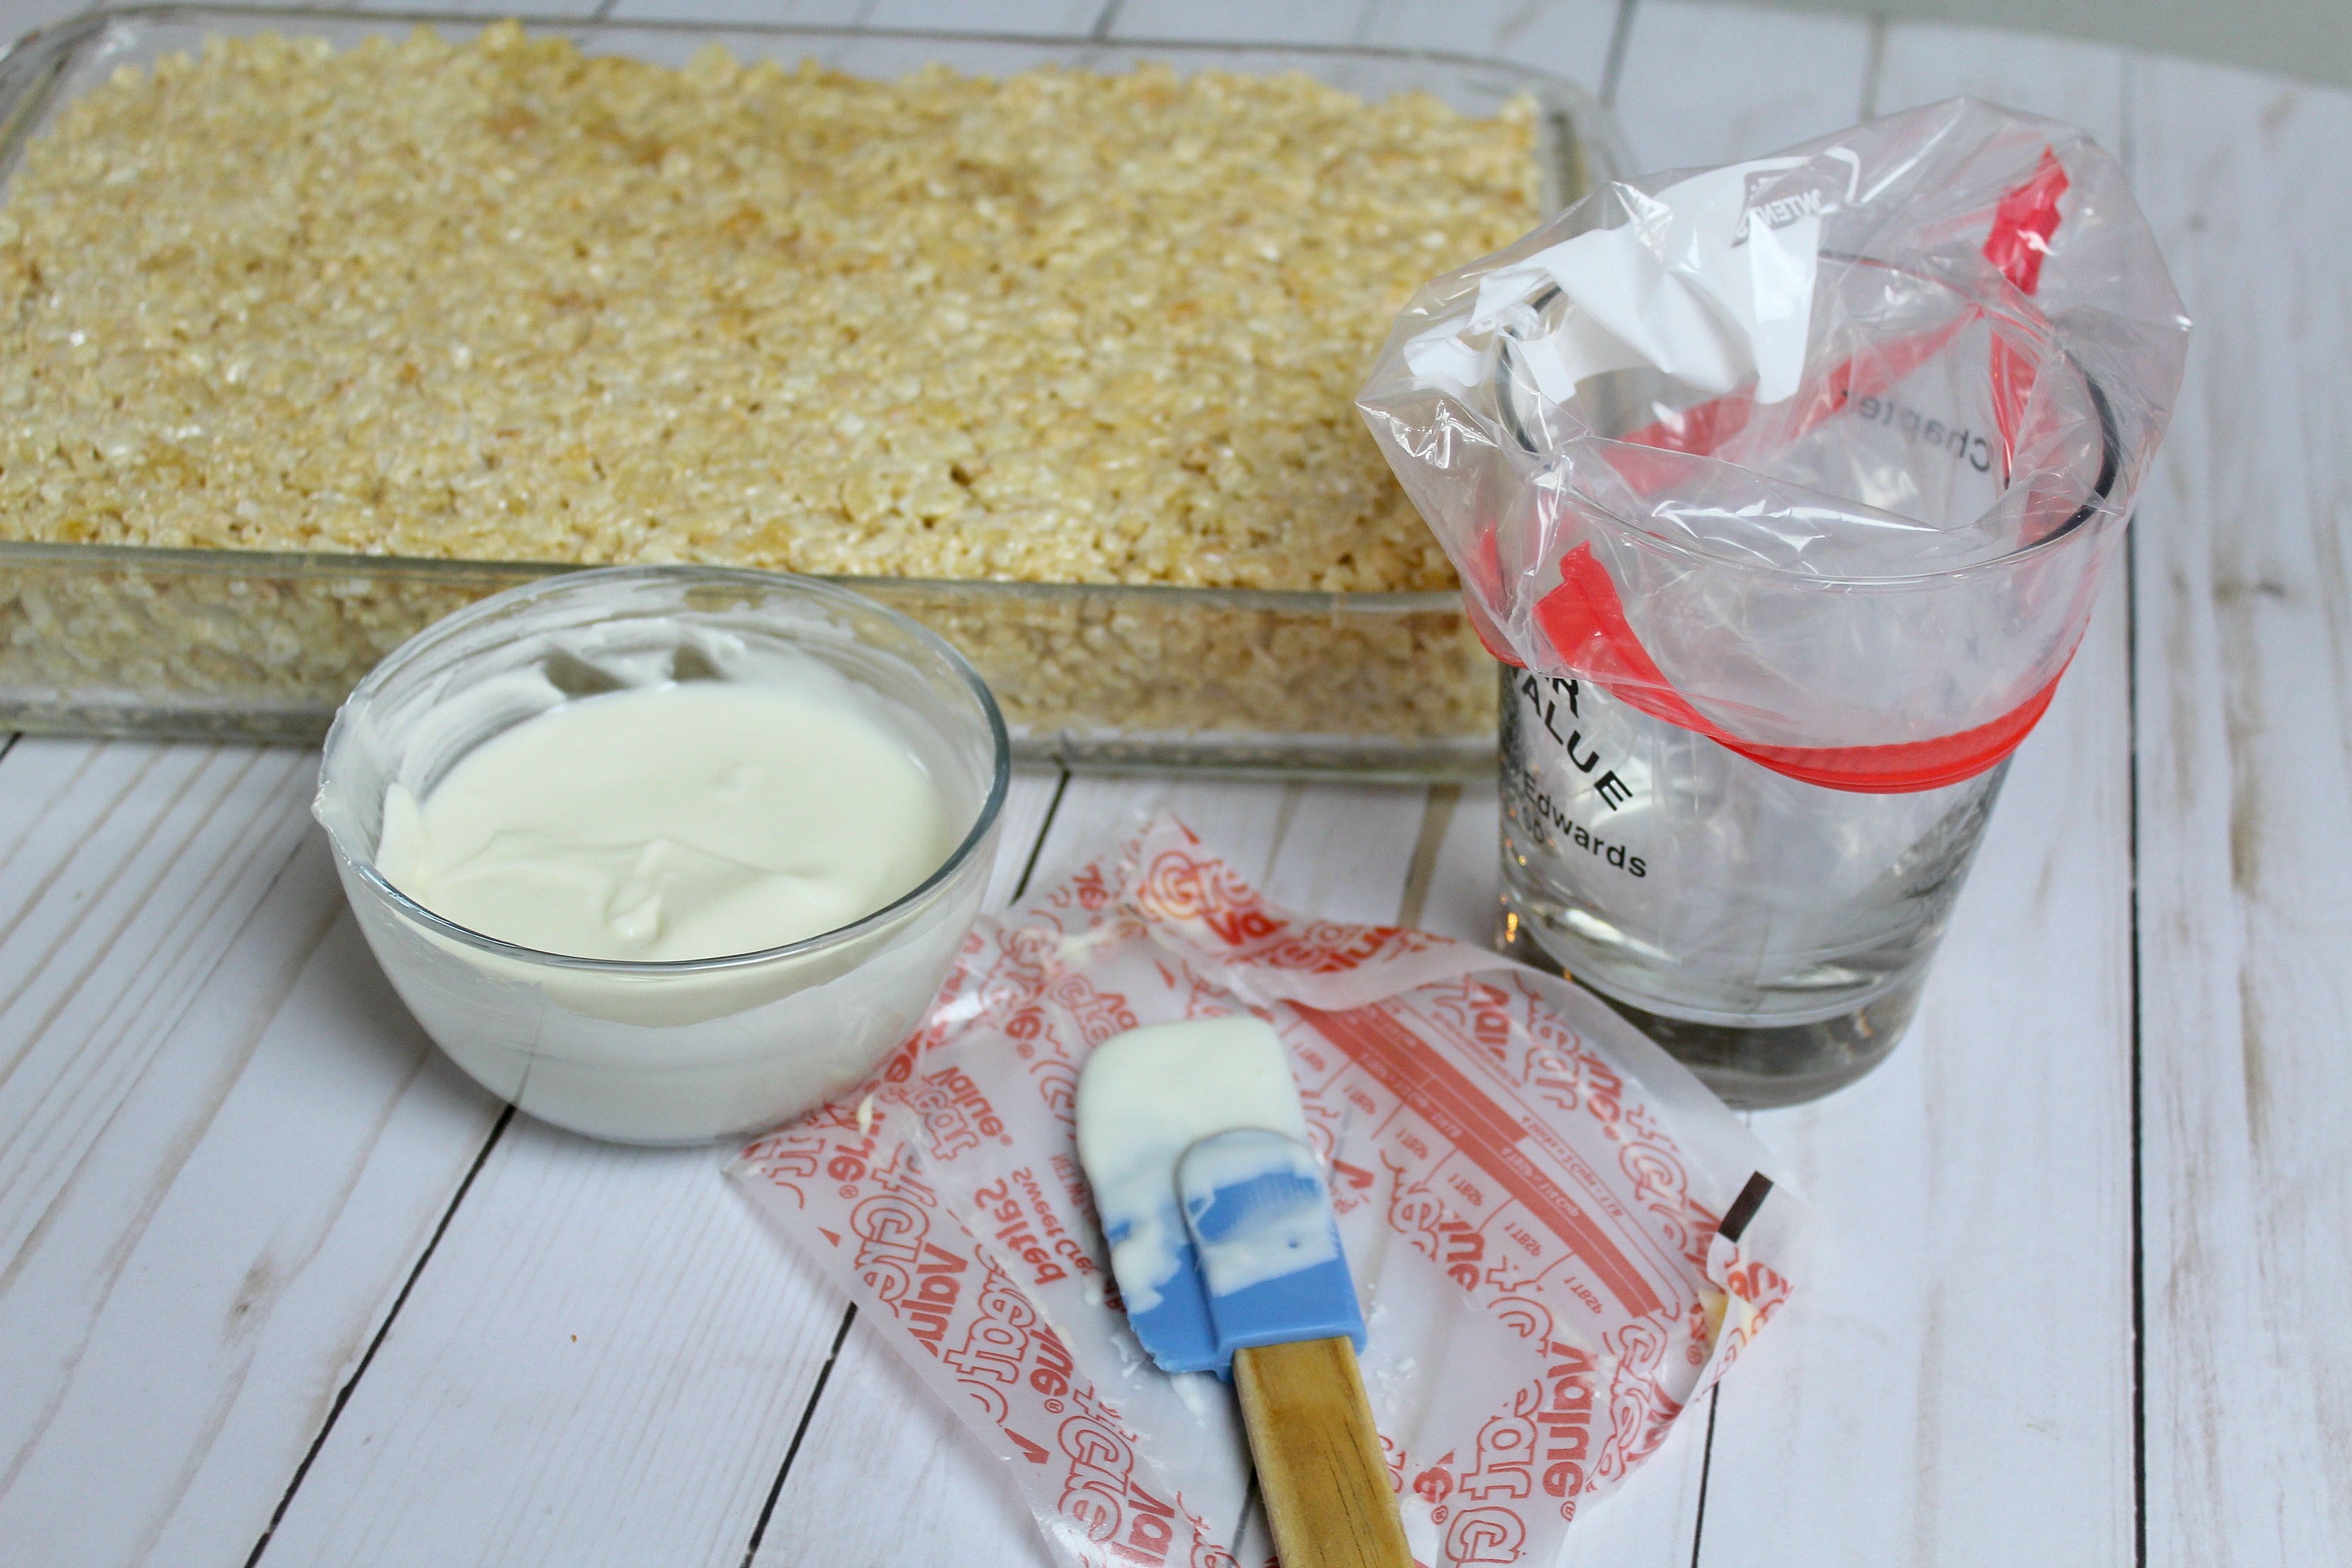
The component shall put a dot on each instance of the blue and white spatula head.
(1265, 1243)
(1146, 1098)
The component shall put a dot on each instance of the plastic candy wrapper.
(1558, 1237)
(1820, 456)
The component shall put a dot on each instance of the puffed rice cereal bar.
(502, 300)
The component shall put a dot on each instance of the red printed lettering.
(1565, 1419)
(1441, 1095)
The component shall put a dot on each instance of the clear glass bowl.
(672, 1052)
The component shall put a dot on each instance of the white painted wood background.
(278, 1285)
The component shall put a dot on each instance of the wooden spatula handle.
(1318, 1459)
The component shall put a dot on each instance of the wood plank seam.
(343, 1395)
(800, 1433)
(1620, 35)
(1044, 828)
(1706, 1463)
(2138, 1197)
(1436, 817)
(1874, 65)
(2124, 153)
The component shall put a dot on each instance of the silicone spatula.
(1228, 1258)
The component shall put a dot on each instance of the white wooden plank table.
(279, 1286)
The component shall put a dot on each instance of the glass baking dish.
(224, 644)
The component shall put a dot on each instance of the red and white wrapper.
(1530, 1195)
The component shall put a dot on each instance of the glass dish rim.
(958, 860)
(229, 562)
(95, 20)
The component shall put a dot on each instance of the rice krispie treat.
(502, 300)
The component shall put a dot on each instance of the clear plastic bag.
(1559, 1239)
(1822, 455)
(1791, 485)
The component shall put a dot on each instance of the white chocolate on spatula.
(1151, 1093)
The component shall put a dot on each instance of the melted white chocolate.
(694, 820)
